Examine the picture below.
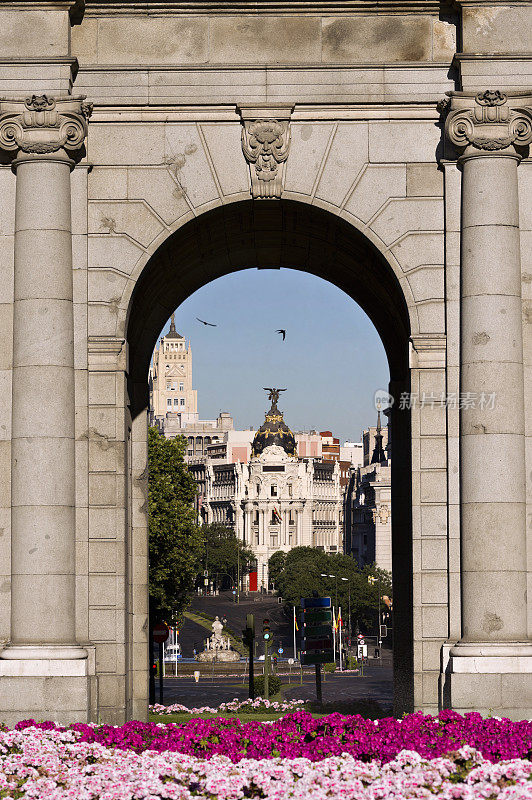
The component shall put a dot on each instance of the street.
(339, 688)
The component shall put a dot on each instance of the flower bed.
(300, 735)
(252, 706)
(55, 764)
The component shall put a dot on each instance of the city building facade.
(137, 166)
(368, 503)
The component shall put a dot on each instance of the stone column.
(44, 134)
(493, 660)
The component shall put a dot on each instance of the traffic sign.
(160, 632)
(360, 636)
(316, 630)
(280, 651)
(317, 616)
(317, 641)
(361, 641)
(316, 602)
(323, 657)
(326, 643)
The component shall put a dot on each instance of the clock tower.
(171, 378)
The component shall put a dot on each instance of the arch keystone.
(266, 145)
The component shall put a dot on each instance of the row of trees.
(180, 549)
(302, 570)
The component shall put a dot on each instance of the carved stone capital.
(266, 144)
(489, 122)
(41, 125)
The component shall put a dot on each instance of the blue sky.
(331, 362)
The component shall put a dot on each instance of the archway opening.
(290, 234)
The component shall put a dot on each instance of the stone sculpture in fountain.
(218, 647)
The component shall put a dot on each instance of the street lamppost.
(372, 579)
(328, 575)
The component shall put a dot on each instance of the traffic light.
(266, 632)
(248, 634)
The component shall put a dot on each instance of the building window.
(256, 517)
(169, 402)
(181, 386)
(290, 539)
(291, 519)
(176, 402)
(258, 489)
(256, 538)
(182, 401)
(289, 490)
(273, 490)
(273, 541)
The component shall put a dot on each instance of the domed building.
(276, 500)
(274, 431)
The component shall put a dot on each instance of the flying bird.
(207, 323)
(283, 332)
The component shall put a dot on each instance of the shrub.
(274, 685)
(331, 667)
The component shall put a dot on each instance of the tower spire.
(172, 333)
(379, 456)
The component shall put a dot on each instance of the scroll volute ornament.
(489, 121)
(266, 145)
(41, 124)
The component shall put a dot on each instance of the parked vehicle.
(173, 652)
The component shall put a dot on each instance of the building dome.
(274, 430)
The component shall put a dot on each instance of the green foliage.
(276, 565)
(274, 685)
(302, 574)
(329, 667)
(223, 553)
(175, 541)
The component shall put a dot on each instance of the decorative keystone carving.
(266, 144)
(489, 121)
(382, 514)
(42, 124)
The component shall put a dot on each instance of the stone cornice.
(43, 125)
(299, 7)
(489, 122)
(74, 7)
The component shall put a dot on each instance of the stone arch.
(268, 234)
(297, 235)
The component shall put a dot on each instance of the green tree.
(224, 553)
(276, 565)
(175, 540)
(307, 569)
